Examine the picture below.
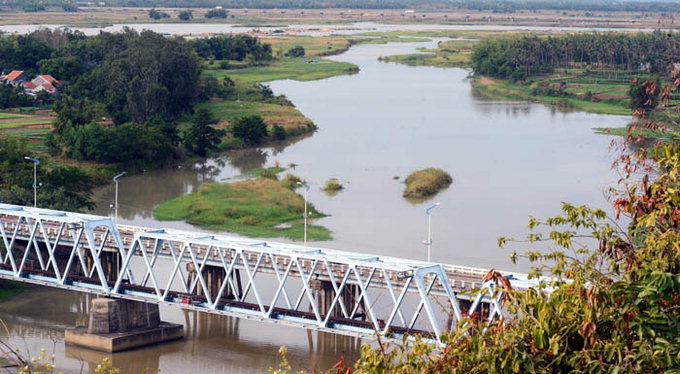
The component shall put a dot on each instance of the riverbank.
(549, 90)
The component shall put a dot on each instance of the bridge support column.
(215, 276)
(325, 294)
(117, 325)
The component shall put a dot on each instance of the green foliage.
(201, 138)
(278, 132)
(72, 113)
(11, 97)
(520, 57)
(216, 13)
(297, 51)
(62, 187)
(70, 7)
(426, 182)
(333, 185)
(232, 47)
(185, 15)
(135, 76)
(22, 52)
(128, 144)
(251, 129)
(154, 14)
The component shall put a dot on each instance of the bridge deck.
(305, 286)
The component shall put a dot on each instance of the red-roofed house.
(46, 87)
(29, 86)
(16, 77)
(42, 79)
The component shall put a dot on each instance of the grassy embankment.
(260, 207)
(589, 92)
(425, 183)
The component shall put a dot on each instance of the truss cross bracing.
(309, 287)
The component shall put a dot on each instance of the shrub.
(251, 129)
(297, 51)
(333, 185)
(426, 182)
(278, 132)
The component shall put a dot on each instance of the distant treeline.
(488, 5)
(519, 57)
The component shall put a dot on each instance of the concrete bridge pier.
(119, 324)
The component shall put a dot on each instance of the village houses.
(19, 78)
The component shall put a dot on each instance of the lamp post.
(428, 211)
(115, 204)
(35, 179)
(306, 186)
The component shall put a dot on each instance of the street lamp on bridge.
(115, 204)
(306, 186)
(428, 242)
(35, 179)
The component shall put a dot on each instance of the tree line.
(520, 57)
(488, 5)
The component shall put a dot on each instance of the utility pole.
(35, 179)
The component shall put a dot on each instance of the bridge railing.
(309, 287)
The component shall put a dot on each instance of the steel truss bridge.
(314, 288)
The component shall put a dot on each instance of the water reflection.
(212, 344)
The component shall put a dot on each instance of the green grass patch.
(286, 116)
(15, 123)
(451, 53)
(288, 68)
(315, 46)
(12, 115)
(257, 208)
(425, 183)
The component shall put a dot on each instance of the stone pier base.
(117, 325)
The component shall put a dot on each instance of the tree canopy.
(519, 57)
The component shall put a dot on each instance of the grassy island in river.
(257, 208)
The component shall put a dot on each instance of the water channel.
(508, 160)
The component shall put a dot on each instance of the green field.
(257, 208)
(4, 115)
(287, 68)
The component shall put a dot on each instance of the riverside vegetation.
(424, 183)
(136, 101)
(261, 207)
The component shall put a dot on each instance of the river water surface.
(508, 160)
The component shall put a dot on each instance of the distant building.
(19, 78)
(15, 78)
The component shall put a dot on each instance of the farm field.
(32, 124)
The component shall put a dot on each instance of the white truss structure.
(314, 288)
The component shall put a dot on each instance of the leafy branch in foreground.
(611, 305)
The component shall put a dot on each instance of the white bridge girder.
(364, 294)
